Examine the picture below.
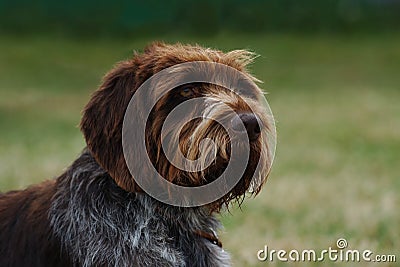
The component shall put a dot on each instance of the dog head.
(103, 119)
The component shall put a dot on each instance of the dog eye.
(187, 92)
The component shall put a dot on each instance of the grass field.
(336, 102)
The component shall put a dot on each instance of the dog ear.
(102, 122)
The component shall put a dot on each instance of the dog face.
(103, 116)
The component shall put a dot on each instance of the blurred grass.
(336, 103)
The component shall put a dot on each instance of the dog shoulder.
(25, 234)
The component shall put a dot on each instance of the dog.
(96, 213)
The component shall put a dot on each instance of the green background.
(331, 70)
(122, 17)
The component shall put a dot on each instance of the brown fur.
(103, 115)
(26, 238)
(25, 235)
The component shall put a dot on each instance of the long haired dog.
(96, 214)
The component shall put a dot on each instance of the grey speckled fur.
(100, 224)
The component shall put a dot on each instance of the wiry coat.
(84, 219)
(95, 214)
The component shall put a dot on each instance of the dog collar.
(213, 238)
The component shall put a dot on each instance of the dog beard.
(206, 144)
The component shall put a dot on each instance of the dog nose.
(251, 122)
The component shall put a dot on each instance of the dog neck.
(101, 224)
